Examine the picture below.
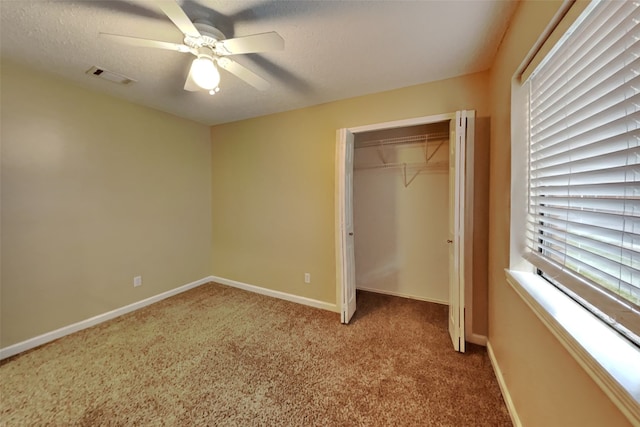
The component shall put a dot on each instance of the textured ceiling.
(333, 49)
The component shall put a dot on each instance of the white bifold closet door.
(457, 162)
(346, 245)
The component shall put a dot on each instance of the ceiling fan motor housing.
(209, 35)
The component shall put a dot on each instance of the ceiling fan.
(210, 47)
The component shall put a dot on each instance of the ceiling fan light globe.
(204, 73)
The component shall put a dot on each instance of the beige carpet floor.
(216, 355)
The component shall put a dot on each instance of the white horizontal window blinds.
(584, 164)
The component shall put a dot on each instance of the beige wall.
(273, 184)
(94, 192)
(547, 386)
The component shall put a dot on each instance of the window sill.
(611, 361)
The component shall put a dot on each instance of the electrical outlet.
(137, 281)
(307, 277)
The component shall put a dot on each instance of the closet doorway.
(400, 212)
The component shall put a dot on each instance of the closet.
(401, 211)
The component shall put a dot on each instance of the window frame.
(606, 356)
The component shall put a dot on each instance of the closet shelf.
(430, 138)
(431, 142)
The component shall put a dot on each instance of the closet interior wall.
(401, 210)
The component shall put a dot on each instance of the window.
(575, 191)
(583, 227)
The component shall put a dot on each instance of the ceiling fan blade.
(179, 18)
(250, 44)
(244, 73)
(136, 41)
(190, 84)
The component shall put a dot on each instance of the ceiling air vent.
(109, 75)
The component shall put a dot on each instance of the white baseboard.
(276, 294)
(477, 339)
(503, 387)
(400, 294)
(14, 349)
